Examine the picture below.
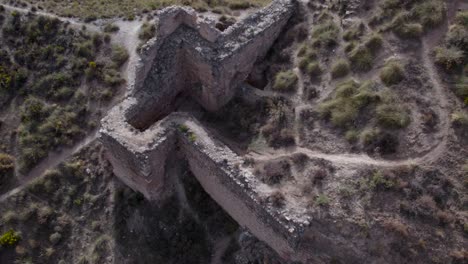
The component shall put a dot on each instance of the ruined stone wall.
(189, 55)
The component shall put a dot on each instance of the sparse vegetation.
(322, 200)
(350, 98)
(119, 55)
(460, 119)
(111, 28)
(449, 58)
(325, 35)
(362, 56)
(91, 10)
(392, 73)
(147, 31)
(410, 19)
(392, 116)
(9, 238)
(44, 64)
(285, 81)
(452, 56)
(340, 69)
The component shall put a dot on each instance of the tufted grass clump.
(119, 55)
(448, 58)
(285, 81)
(147, 31)
(362, 55)
(411, 19)
(325, 35)
(340, 69)
(313, 69)
(10, 238)
(429, 13)
(354, 32)
(460, 119)
(392, 116)
(350, 98)
(392, 73)
(361, 58)
(111, 28)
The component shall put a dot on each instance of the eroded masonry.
(190, 56)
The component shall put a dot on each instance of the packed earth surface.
(352, 124)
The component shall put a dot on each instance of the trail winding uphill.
(128, 37)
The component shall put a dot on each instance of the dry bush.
(396, 226)
(319, 175)
(274, 172)
(276, 199)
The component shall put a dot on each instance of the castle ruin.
(190, 56)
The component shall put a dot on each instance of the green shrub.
(462, 18)
(350, 98)
(429, 13)
(449, 58)
(285, 81)
(239, 4)
(307, 56)
(85, 50)
(10, 238)
(403, 26)
(147, 31)
(392, 116)
(192, 137)
(376, 181)
(354, 32)
(325, 34)
(111, 28)
(369, 135)
(352, 135)
(410, 30)
(32, 110)
(111, 77)
(119, 55)
(361, 58)
(392, 73)
(458, 37)
(340, 69)
(374, 43)
(313, 69)
(322, 200)
(460, 119)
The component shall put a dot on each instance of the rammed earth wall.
(189, 55)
